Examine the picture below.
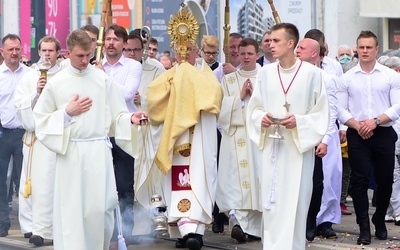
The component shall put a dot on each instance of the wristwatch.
(377, 121)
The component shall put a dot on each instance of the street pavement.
(347, 238)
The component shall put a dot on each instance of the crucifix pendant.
(286, 105)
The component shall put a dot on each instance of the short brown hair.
(291, 31)
(249, 41)
(368, 34)
(91, 28)
(153, 41)
(79, 38)
(50, 39)
(133, 36)
(119, 31)
(10, 37)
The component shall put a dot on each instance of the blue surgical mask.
(343, 59)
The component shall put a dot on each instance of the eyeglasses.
(27, 63)
(132, 50)
(208, 53)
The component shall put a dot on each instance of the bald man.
(327, 166)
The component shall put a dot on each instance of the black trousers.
(124, 178)
(318, 188)
(10, 145)
(375, 154)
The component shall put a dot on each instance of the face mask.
(343, 59)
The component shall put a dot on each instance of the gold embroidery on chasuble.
(241, 142)
(184, 205)
(231, 80)
(246, 185)
(244, 163)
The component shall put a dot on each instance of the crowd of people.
(272, 145)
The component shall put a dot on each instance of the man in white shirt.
(151, 68)
(329, 212)
(11, 72)
(126, 73)
(328, 151)
(370, 92)
(329, 65)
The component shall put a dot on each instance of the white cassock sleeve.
(231, 114)
(49, 121)
(312, 126)
(124, 131)
(23, 100)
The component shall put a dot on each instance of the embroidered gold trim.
(182, 147)
(184, 205)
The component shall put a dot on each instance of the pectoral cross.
(286, 105)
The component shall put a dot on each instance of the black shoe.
(219, 220)
(4, 229)
(194, 241)
(181, 243)
(238, 234)
(36, 240)
(251, 238)
(311, 233)
(364, 238)
(397, 221)
(365, 234)
(27, 235)
(380, 228)
(328, 233)
(217, 228)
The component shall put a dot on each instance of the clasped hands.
(365, 128)
(288, 122)
(247, 89)
(78, 106)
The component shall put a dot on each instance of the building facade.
(250, 20)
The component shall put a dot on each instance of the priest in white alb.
(238, 189)
(78, 110)
(290, 94)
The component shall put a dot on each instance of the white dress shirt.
(332, 66)
(127, 74)
(368, 95)
(330, 84)
(8, 82)
(219, 72)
